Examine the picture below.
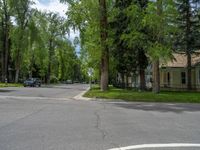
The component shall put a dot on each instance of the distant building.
(173, 74)
(133, 81)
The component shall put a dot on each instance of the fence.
(180, 87)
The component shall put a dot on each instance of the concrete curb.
(80, 96)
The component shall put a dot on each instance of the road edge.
(80, 96)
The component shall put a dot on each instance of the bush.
(54, 79)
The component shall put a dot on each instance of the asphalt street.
(51, 91)
(30, 123)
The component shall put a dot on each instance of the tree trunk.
(122, 81)
(31, 64)
(2, 66)
(188, 30)
(104, 47)
(49, 65)
(104, 73)
(3, 52)
(99, 74)
(17, 74)
(127, 85)
(142, 59)
(156, 77)
(155, 65)
(142, 80)
(17, 66)
(5, 38)
(6, 51)
(49, 73)
(189, 71)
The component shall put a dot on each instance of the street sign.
(90, 71)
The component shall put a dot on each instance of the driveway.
(52, 124)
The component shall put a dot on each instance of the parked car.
(32, 82)
(69, 82)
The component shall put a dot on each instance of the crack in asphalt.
(98, 126)
(99, 122)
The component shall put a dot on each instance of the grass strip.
(10, 85)
(136, 96)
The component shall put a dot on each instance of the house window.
(183, 77)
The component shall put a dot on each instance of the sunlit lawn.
(133, 95)
(10, 85)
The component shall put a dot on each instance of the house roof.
(180, 60)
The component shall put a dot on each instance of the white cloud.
(73, 34)
(56, 6)
(52, 6)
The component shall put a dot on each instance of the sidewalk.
(80, 96)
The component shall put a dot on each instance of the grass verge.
(135, 96)
(10, 85)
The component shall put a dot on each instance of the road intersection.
(49, 118)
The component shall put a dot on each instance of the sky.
(51, 5)
(55, 6)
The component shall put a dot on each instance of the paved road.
(52, 124)
(53, 91)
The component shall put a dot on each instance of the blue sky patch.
(44, 1)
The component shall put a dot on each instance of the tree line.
(35, 44)
(124, 36)
(116, 36)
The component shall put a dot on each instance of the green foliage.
(133, 34)
(188, 22)
(121, 34)
(10, 85)
(67, 61)
(38, 43)
(159, 51)
(161, 29)
(84, 16)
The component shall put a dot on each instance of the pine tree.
(123, 53)
(129, 34)
(142, 58)
(160, 28)
(188, 39)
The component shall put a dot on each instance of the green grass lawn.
(132, 95)
(10, 85)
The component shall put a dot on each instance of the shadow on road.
(67, 87)
(5, 91)
(176, 108)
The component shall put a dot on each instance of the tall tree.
(188, 39)
(84, 16)
(22, 13)
(5, 11)
(161, 29)
(33, 39)
(155, 64)
(134, 34)
(104, 45)
(54, 30)
(122, 51)
(142, 58)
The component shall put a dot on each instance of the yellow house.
(173, 74)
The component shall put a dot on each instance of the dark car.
(32, 82)
(69, 82)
